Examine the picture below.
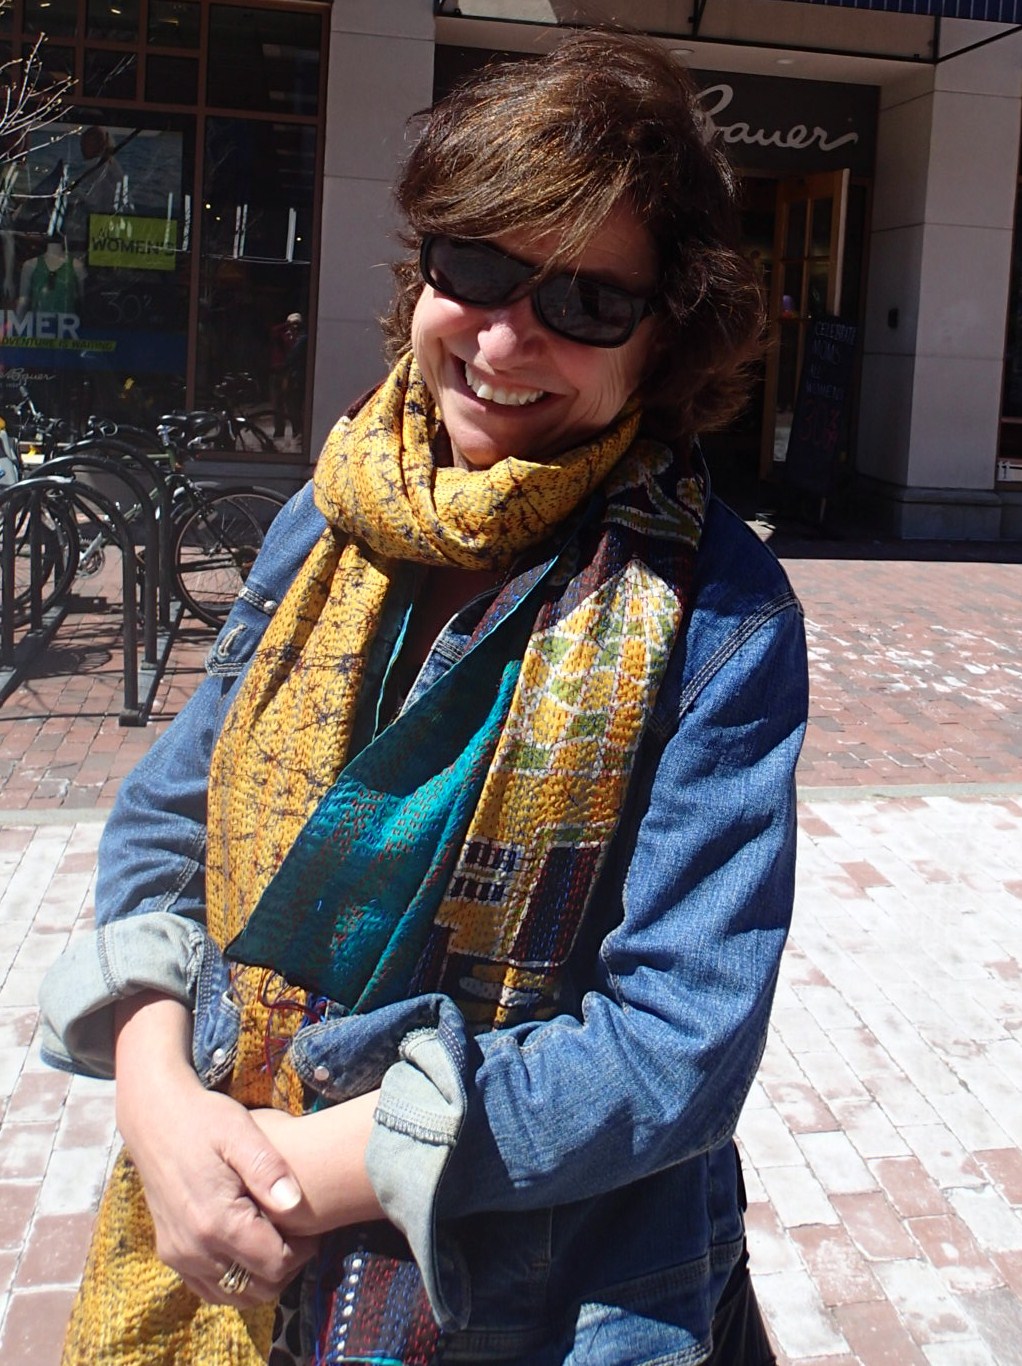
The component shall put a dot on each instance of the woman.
(451, 989)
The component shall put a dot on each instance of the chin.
(477, 460)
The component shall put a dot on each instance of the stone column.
(380, 73)
(938, 288)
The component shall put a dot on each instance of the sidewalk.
(882, 1136)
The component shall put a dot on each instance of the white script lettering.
(716, 98)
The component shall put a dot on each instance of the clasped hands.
(227, 1187)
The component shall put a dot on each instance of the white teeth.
(511, 398)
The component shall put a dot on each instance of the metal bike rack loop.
(75, 493)
(110, 449)
(41, 625)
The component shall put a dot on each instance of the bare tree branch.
(27, 102)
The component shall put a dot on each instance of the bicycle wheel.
(215, 545)
(251, 437)
(58, 554)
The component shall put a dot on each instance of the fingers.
(261, 1169)
(201, 1244)
(254, 1291)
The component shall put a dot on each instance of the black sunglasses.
(574, 306)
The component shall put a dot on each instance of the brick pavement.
(882, 1136)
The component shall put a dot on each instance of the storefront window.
(264, 59)
(174, 23)
(148, 255)
(172, 80)
(55, 18)
(110, 75)
(1012, 406)
(115, 20)
(257, 232)
(96, 269)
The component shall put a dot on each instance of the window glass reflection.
(264, 59)
(55, 18)
(110, 75)
(257, 248)
(173, 23)
(96, 267)
(115, 20)
(171, 80)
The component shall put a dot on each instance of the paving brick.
(874, 1227)
(771, 1247)
(868, 1129)
(55, 1251)
(839, 1271)
(998, 1316)
(909, 1188)
(877, 1335)
(800, 1107)
(17, 1201)
(24, 1150)
(949, 1245)
(973, 1352)
(799, 1321)
(991, 1220)
(835, 1163)
(38, 1096)
(34, 1327)
(797, 1196)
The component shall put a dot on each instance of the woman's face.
(546, 393)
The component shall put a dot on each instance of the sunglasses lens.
(588, 310)
(472, 272)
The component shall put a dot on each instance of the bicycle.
(225, 427)
(216, 531)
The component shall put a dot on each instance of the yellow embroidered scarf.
(287, 736)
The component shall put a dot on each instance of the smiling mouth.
(508, 398)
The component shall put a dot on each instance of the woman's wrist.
(326, 1151)
(152, 1055)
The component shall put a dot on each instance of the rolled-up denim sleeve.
(657, 1067)
(150, 898)
(151, 880)
(161, 952)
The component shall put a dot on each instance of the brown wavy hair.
(606, 119)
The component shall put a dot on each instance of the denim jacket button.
(218, 1055)
(321, 1073)
(270, 605)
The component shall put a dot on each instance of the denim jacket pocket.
(241, 633)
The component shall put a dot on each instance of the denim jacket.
(570, 1187)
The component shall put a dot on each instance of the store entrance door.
(803, 283)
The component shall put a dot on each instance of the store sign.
(121, 241)
(790, 126)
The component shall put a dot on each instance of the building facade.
(878, 155)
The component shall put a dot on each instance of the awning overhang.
(922, 32)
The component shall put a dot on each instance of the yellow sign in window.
(136, 243)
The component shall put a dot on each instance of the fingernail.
(285, 1194)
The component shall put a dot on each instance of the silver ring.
(235, 1279)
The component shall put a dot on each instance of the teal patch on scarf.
(350, 909)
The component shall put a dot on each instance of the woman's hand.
(216, 1187)
(326, 1152)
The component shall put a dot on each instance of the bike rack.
(156, 642)
(14, 658)
(108, 449)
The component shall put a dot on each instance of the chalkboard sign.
(820, 421)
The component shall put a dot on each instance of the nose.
(508, 332)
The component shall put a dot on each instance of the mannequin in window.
(52, 281)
